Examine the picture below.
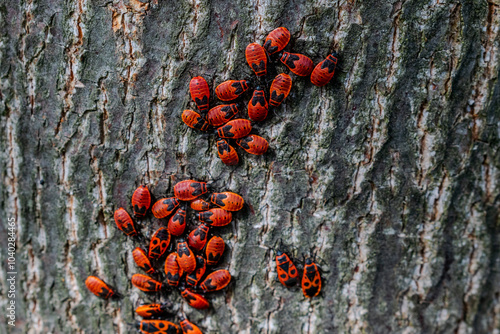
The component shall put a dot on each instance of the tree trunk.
(390, 173)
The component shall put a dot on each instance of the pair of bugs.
(288, 274)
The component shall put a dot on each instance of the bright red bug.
(153, 310)
(157, 327)
(146, 283)
(124, 222)
(188, 190)
(198, 237)
(200, 204)
(257, 106)
(177, 223)
(311, 279)
(227, 200)
(164, 207)
(215, 217)
(231, 89)
(99, 288)
(185, 257)
(324, 71)
(235, 129)
(194, 278)
(227, 153)
(253, 144)
(214, 250)
(297, 63)
(277, 40)
(200, 92)
(217, 280)
(172, 270)
(141, 201)
(188, 327)
(194, 120)
(193, 299)
(256, 59)
(287, 272)
(280, 88)
(159, 243)
(222, 114)
(142, 260)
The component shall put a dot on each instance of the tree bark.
(390, 173)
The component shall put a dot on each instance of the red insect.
(198, 237)
(227, 200)
(235, 129)
(253, 144)
(257, 106)
(188, 190)
(172, 270)
(141, 201)
(194, 120)
(227, 153)
(217, 280)
(311, 279)
(200, 93)
(164, 207)
(157, 327)
(297, 63)
(222, 114)
(177, 223)
(146, 283)
(185, 257)
(214, 250)
(142, 260)
(280, 88)
(256, 58)
(277, 40)
(193, 299)
(124, 222)
(159, 243)
(215, 217)
(200, 204)
(99, 288)
(287, 272)
(324, 71)
(201, 266)
(231, 89)
(153, 310)
(188, 327)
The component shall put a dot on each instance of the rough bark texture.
(391, 173)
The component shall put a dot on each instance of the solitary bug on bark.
(124, 222)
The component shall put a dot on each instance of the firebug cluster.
(227, 119)
(185, 264)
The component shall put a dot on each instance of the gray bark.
(391, 172)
